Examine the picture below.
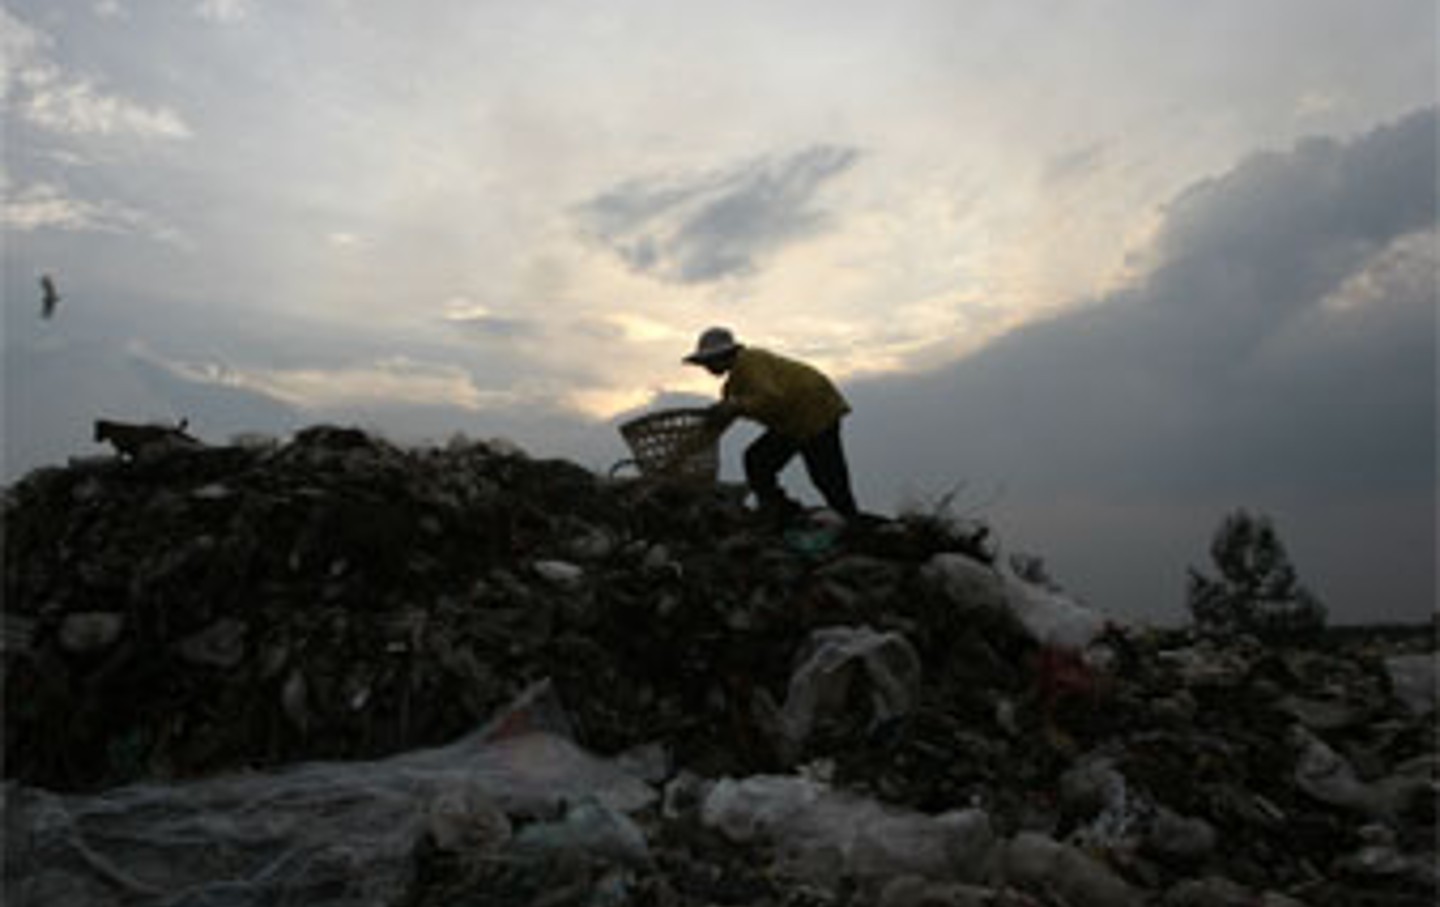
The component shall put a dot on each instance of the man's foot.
(779, 512)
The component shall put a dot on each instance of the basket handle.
(621, 464)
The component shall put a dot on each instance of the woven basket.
(675, 443)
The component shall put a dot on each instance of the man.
(798, 406)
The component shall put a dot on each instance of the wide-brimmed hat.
(713, 344)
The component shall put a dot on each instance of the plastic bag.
(824, 836)
(1412, 677)
(1035, 861)
(589, 827)
(834, 659)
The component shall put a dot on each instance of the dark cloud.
(719, 224)
(1281, 229)
(495, 327)
(1281, 353)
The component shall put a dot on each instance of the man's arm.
(719, 415)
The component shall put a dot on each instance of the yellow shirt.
(790, 397)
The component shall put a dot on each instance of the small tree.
(1256, 592)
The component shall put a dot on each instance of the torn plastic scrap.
(824, 836)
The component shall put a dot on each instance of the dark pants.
(824, 460)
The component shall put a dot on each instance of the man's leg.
(825, 461)
(764, 459)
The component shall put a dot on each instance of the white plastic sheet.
(1051, 617)
(319, 834)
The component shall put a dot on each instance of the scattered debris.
(534, 684)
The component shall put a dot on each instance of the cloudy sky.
(1103, 270)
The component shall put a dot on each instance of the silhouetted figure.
(49, 298)
(798, 406)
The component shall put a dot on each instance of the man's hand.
(718, 416)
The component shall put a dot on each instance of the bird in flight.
(49, 297)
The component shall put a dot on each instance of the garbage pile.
(338, 671)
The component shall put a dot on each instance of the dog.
(132, 441)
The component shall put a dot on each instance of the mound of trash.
(337, 671)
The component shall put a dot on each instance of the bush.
(1257, 592)
(939, 527)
